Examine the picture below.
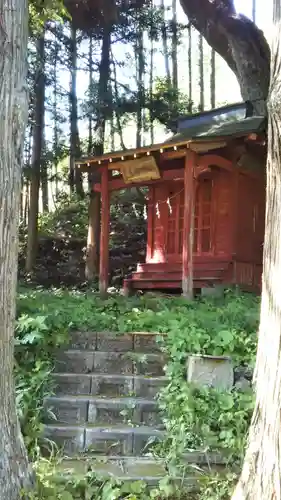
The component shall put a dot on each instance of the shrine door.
(203, 220)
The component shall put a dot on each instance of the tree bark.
(139, 53)
(175, 45)
(32, 236)
(261, 474)
(239, 41)
(14, 470)
(93, 241)
(201, 74)
(91, 82)
(213, 79)
(74, 173)
(190, 95)
(165, 44)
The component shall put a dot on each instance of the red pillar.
(188, 225)
(104, 234)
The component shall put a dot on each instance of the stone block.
(107, 411)
(149, 365)
(67, 410)
(216, 291)
(74, 361)
(148, 386)
(114, 342)
(243, 385)
(70, 439)
(145, 468)
(149, 415)
(72, 384)
(113, 363)
(211, 371)
(112, 385)
(144, 439)
(69, 467)
(111, 468)
(109, 441)
(83, 340)
(146, 343)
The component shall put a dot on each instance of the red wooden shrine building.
(206, 203)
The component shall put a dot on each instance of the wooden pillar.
(92, 264)
(188, 225)
(104, 234)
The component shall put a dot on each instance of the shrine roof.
(198, 135)
(219, 128)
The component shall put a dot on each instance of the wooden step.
(198, 274)
(163, 284)
(219, 265)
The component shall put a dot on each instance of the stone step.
(108, 385)
(124, 363)
(99, 411)
(130, 469)
(106, 440)
(142, 342)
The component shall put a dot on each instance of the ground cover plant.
(195, 419)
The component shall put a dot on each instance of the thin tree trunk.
(75, 176)
(165, 45)
(44, 186)
(175, 45)
(55, 113)
(213, 79)
(190, 95)
(139, 51)
(261, 475)
(32, 235)
(201, 74)
(103, 86)
(117, 100)
(14, 470)
(26, 204)
(91, 81)
(151, 75)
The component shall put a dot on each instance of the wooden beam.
(216, 160)
(104, 235)
(188, 225)
(167, 175)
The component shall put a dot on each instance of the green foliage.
(195, 418)
(36, 340)
(167, 102)
(51, 484)
(41, 11)
(68, 220)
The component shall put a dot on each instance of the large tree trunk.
(238, 41)
(14, 471)
(31, 250)
(261, 475)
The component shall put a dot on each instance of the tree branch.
(204, 15)
(237, 39)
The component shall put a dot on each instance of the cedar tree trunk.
(14, 471)
(38, 131)
(261, 475)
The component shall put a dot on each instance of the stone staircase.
(104, 413)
